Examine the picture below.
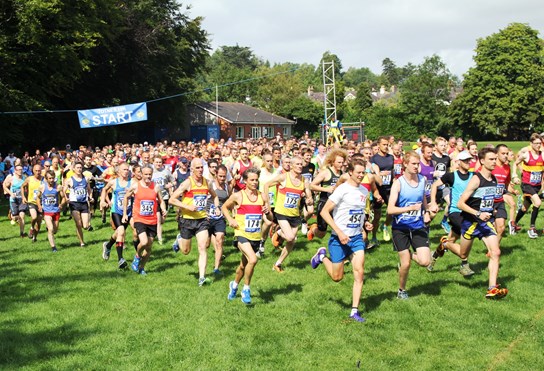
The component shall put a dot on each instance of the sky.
(362, 33)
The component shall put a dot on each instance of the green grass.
(72, 310)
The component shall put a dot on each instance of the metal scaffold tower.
(329, 89)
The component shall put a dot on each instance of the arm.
(178, 193)
(309, 195)
(39, 198)
(228, 206)
(278, 179)
(433, 206)
(128, 195)
(104, 195)
(24, 190)
(327, 217)
(6, 185)
(62, 196)
(320, 178)
(164, 210)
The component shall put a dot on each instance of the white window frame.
(286, 132)
(256, 132)
(269, 132)
(239, 132)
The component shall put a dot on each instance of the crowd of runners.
(288, 190)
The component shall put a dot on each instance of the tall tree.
(503, 94)
(353, 77)
(425, 96)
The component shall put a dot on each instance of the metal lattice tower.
(329, 89)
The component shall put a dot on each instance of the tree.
(424, 96)
(503, 94)
(353, 77)
(390, 72)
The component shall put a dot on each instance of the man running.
(12, 187)
(247, 223)
(30, 188)
(50, 201)
(146, 204)
(408, 206)
(383, 165)
(164, 180)
(79, 190)
(345, 211)
(476, 204)
(218, 225)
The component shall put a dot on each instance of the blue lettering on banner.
(110, 116)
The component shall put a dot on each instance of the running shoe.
(260, 252)
(90, 229)
(135, 264)
(105, 251)
(122, 264)
(175, 245)
(512, 228)
(103, 218)
(142, 272)
(304, 228)
(203, 281)
(35, 237)
(13, 222)
(82, 245)
(386, 234)
(441, 249)
(54, 249)
(318, 257)
(496, 292)
(217, 272)
(246, 296)
(160, 241)
(232, 291)
(465, 270)
(402, 294)
(430, 267)
(357, 317)
(278, 268)
(30, 233)
(532, 232)
(311, 234)
(277, 240)
(446, 226)
(373, 243)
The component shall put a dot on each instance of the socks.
(354, 311)
(246, 287)
(234, 285)
(119, 248)
(534, 214)
(110, 243)
(519, 215)
(135, 243)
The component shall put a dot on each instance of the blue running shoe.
(246, 296)
(142, 272)
(446, 226)
(232, 291)
(357, 317)
(175, 245)
(318, 257)
(217, 272)
(135, 264)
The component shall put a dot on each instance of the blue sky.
(363, 33)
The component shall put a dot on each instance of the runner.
(383, 164)
(291, 187)
(12, 187)
(442, 163)
(194, 219)
(146, 200)
(408, 205)
(308, 171)
(502, 174)
(30, 188)
(238, 169)
(457, 182)
(325, 182)
(218, 225)
(50, 202)
(250, 209)
(476, 204)
(267, 173)
(79, 190)
(118, 188)
(345, 211)
(163, 179)
(531, 181)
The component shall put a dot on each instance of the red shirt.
(171, 161)
(502, 173)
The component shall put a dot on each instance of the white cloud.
(363, 33)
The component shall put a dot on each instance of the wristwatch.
(478, 214)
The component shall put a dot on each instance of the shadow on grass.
(31, 348)
(268, 296)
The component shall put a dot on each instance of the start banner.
(119, 115)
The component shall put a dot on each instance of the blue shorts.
(471, 230)
(338, 252)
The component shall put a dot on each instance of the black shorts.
(17, 207)
(321, 223)
(529, 190)
(34, 207)
(499, 211)
(254, 244)
(116, 219)
(82, 207)
(217, 226)
(455, 222)
(188, 228)
(384, 194)
(294, 221)
(149, 229)
(403, 239)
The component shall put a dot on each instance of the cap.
(68, 146)
(184, 160)
(146, 144)
(415, 146)
(464, 156)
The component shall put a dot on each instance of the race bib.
(386, 179)
(536, 177)
(355, 219)
(428, 185)
(50, 201)
(213, 214)
(291, 200)
(398, 169)
(159, 182)
(18, 193)
(410, 216)
(35, 194)
(499, 191)
(308, 177)
(146, 207)
(200, 202)
(486, 205)
(253, 223)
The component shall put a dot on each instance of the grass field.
(72, 310)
